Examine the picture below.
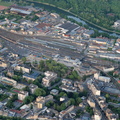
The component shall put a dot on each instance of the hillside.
(100, 12)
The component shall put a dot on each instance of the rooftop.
(69, 26)
(3, 7)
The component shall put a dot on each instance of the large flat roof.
(69, 26)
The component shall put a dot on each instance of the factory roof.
(69, 26)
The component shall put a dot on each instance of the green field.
(6, 3)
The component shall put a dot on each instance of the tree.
(40, 92)
(10, 104)
(24, 59)
(78, 101)
(28, 99)
(26, 89)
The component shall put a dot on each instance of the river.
(69, 15)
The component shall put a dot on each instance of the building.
(22, 95)
(94, 88)
(32, 88)
(21, 67)
(40, 101)
(102, 78)
(10, 72)
(50, 76)
(88, 33)
(110, 115)
(117, 23)
(108, 69)
(3, 64)
(99, 40)
(91, 102)
(97, 115)
(68, 88)
(31, 76)
(64, 112)
(8, 81)
(54, 92)
(20, 10)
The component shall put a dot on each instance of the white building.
(101, 78)
(117, 23)
(50, 76)
(97, 115)
(94, 88)
(22, 95)
(108, 69)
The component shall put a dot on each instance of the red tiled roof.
(118, 81)
(16, 91)
(3, 7)
(17, 111)
(20, 101)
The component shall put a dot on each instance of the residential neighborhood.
(54, 69)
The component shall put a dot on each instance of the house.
(22, 95)
(50, 76)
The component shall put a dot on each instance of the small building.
(117, 23)
(22, 95)
(54, 92)
(33, 88)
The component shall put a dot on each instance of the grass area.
(6, 3)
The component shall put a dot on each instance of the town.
(54, 69)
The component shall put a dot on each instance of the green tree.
(40, 92)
